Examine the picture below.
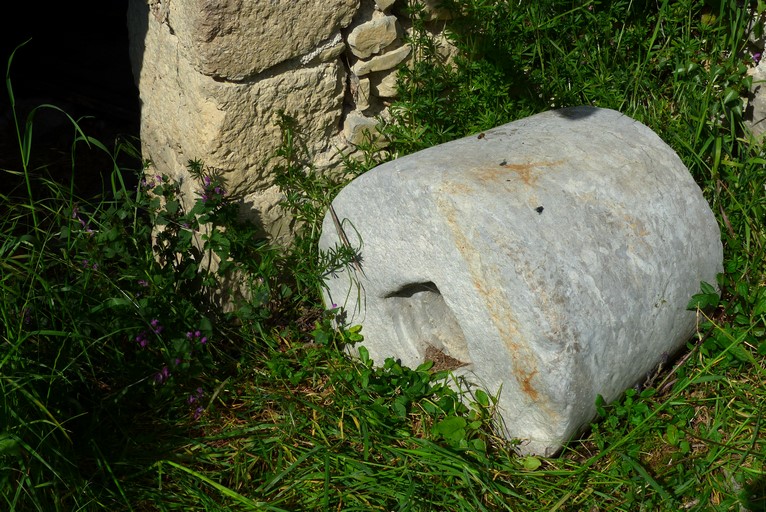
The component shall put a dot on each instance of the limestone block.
(756, 109)
(230, 126)
(551, 259)
(359, 129)
(372, 36)
(384, 85)
(388, 60)
(235, 39)
(362, 94)
(383, 5)
(326, 51)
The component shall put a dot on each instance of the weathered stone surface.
(383, 5)
(384, 85)
(359, 129)
(551, 258)
(371, 37)
(326, 51)
(362, 94)
(388, 60)
(234, 39)
(756, 109)
(230, 126)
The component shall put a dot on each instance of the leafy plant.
(126, 384)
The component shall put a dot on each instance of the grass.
(126, 385)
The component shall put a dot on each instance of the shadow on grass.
(754, 495)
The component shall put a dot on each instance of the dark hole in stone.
(423, 321)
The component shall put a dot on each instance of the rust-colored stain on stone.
(526, 383)
(523, 359)
(525, 363)
(526, 171)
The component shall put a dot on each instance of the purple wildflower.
(197, 336)
(162, 375)
(196, 398)
(156, 326)
(76, 216)
(142, 340)
(88, 264)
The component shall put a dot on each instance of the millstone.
(550, 259)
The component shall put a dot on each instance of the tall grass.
(125, 385)
(111, 318)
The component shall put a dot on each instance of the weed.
(125, 384)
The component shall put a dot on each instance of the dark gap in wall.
(76, 59)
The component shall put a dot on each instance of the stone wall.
(213, 76)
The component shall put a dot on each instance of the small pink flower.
(162, 375)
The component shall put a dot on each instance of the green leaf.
(400, 407)
(172, 207)
(425, 366)
(730, 95)
(481, 398)
(115, 302)
(648, 393)
(707, 298)
(479, 445)
(451, 428)
(760, 306)
(672, 435)
(600, 403)
(321, 337)
(531, 463)
(9, 445)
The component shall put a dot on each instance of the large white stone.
(550, 259)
